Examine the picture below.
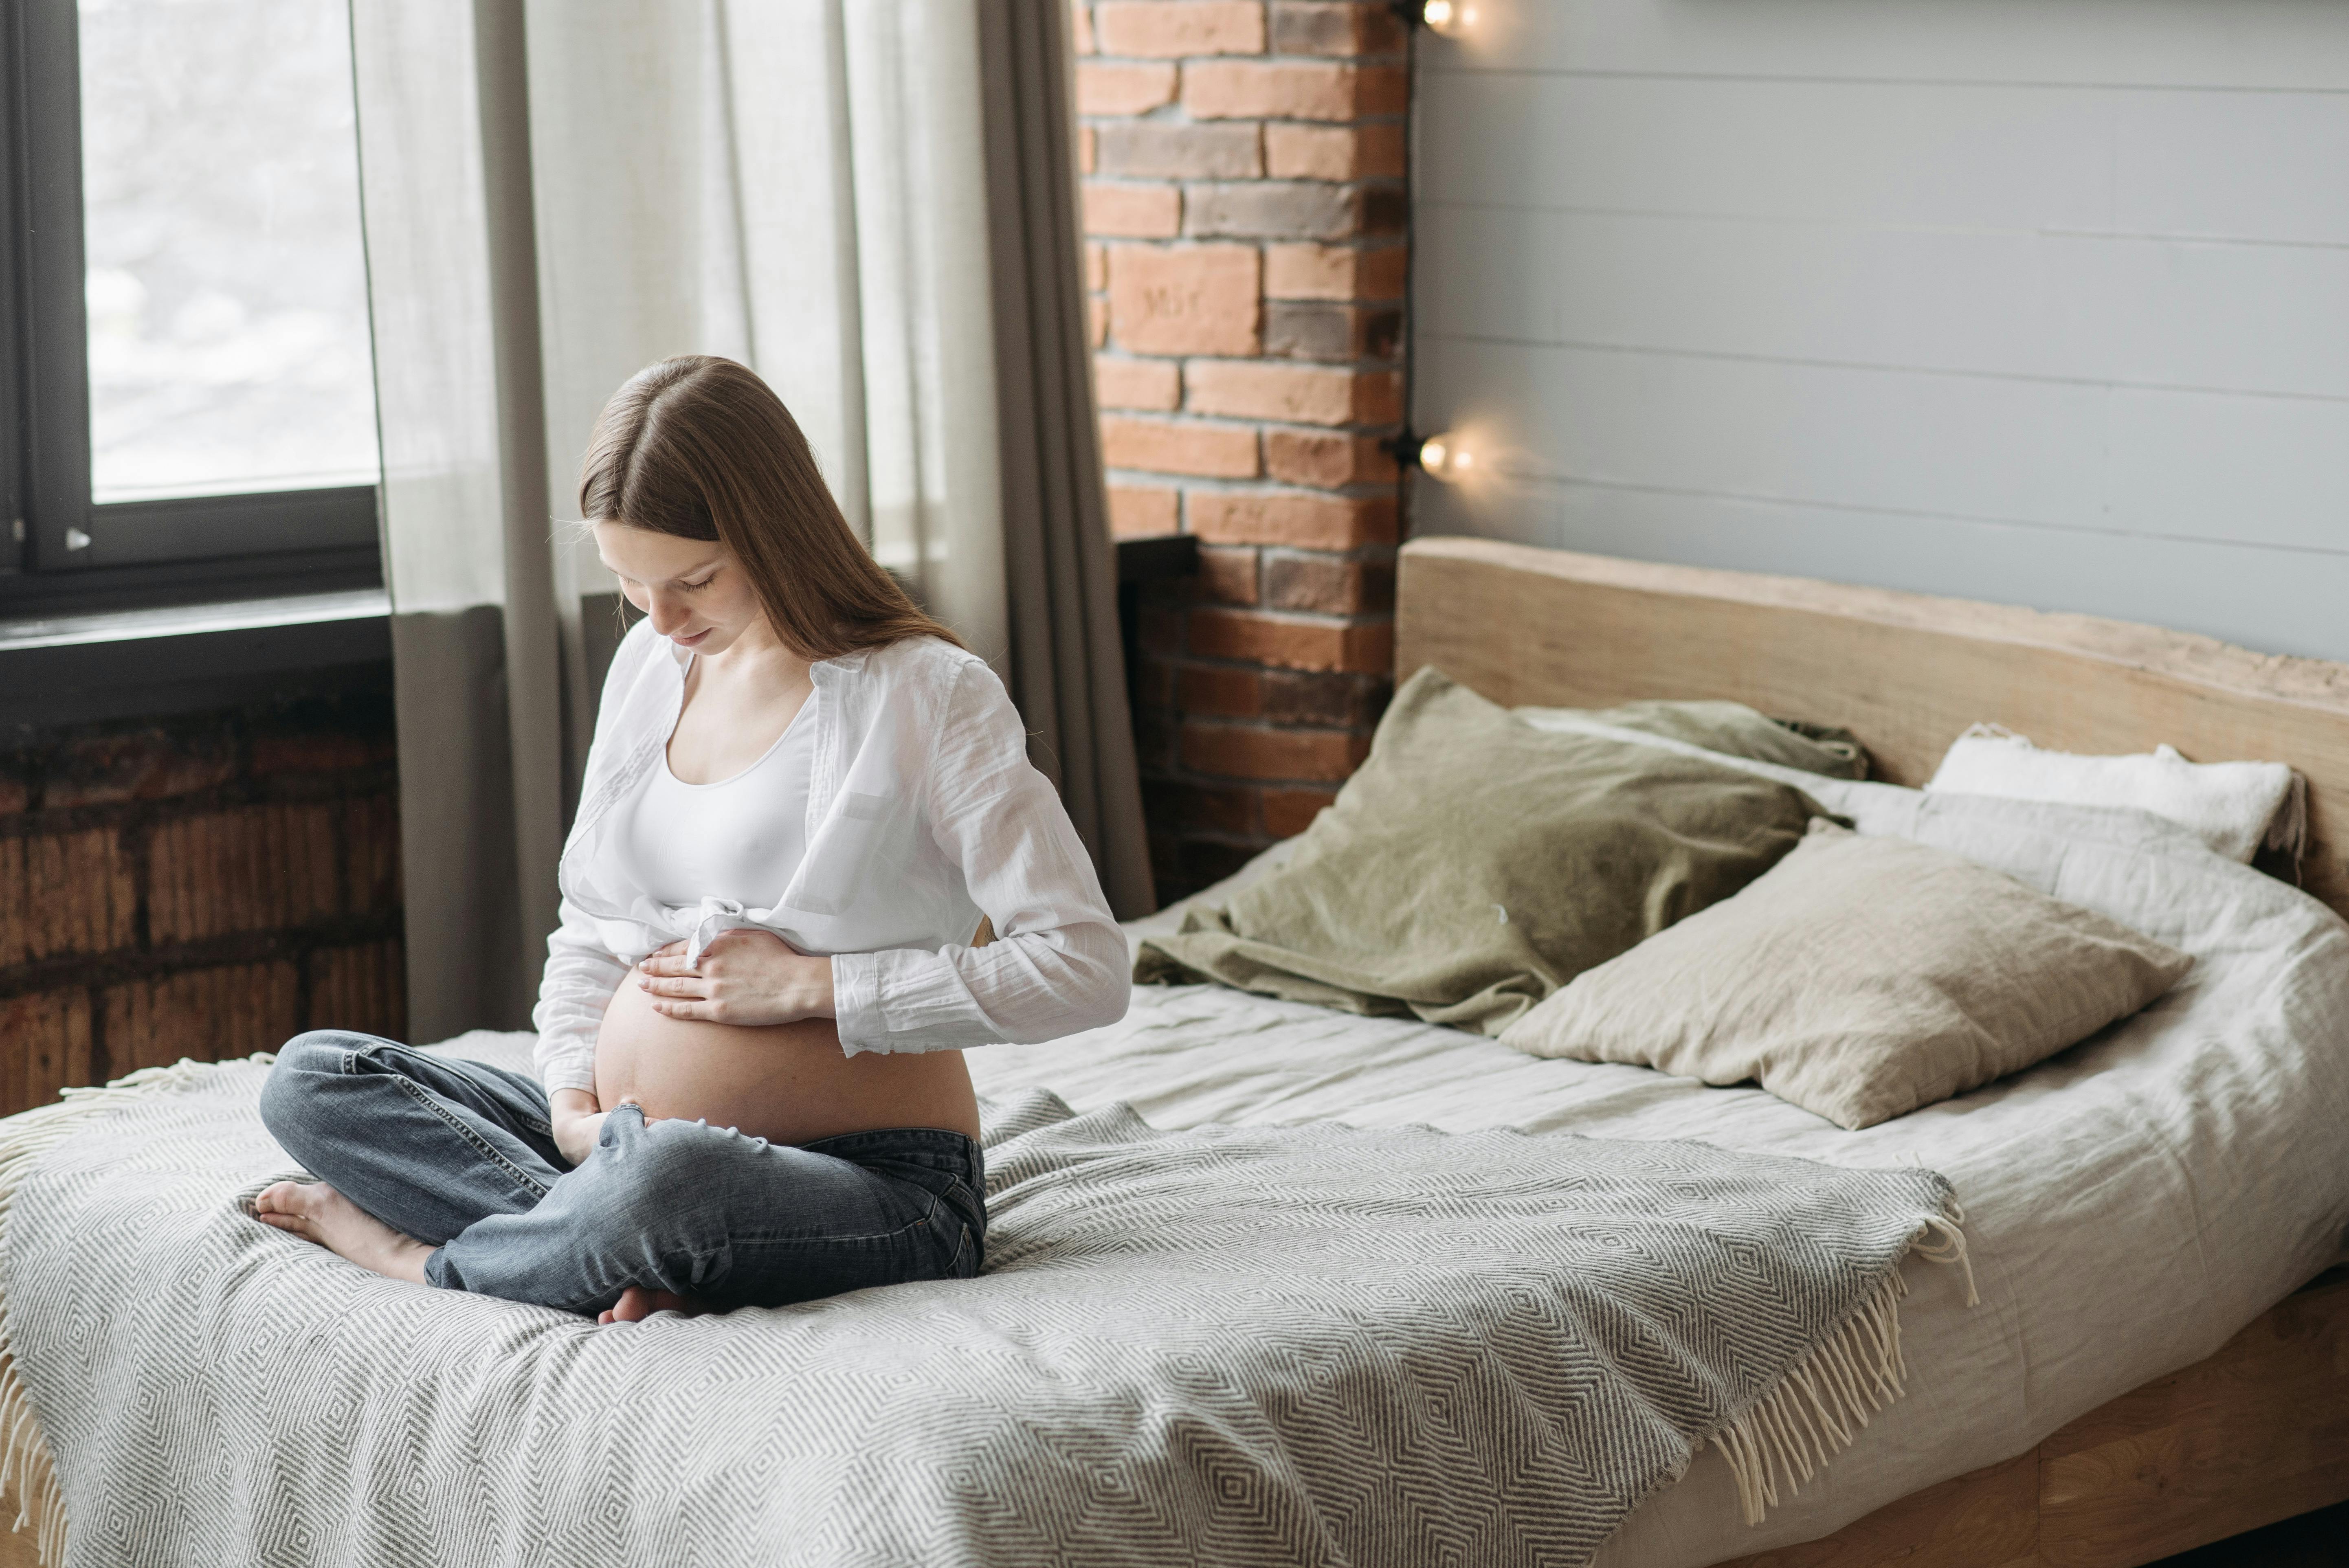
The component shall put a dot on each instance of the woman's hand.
(577, 1120)
(747, 976)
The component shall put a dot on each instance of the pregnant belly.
(788, 1083)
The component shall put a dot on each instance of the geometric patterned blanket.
(1306, 1345)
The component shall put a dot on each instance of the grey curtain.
(445, 192)
(872, 203)
(1067, 665)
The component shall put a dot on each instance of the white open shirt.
(924, 813)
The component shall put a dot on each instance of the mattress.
(2130, 1203)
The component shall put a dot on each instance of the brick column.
(1246, 211)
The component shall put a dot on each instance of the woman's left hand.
(745, 978)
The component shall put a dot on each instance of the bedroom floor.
(2319, 1540)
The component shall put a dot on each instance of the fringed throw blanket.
(1281, 1346)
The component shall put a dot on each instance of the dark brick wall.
(204, 886)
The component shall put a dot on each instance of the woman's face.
(694, 590)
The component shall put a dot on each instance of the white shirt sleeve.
(577, 985)
(1059, 963)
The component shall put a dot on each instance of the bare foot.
(637, 1304)
(316, 1212)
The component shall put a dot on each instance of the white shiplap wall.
(2037, 300)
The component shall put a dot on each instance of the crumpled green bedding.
(1474, 863)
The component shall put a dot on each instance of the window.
(187, 409)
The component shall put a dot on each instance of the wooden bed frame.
(2258, 1432)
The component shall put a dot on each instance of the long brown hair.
(699, 447)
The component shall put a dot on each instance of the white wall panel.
(2043, 304)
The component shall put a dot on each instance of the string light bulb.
(1444, 458)
(1451, 18)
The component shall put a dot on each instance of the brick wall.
(1246, 211)
(205, 887)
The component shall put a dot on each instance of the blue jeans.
(460, 1155)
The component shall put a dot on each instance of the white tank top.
(740, 839)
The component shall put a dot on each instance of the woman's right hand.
(577, 1120)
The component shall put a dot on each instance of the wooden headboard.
(1904, 672)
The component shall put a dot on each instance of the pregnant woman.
(812, 863)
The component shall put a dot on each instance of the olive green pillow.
(1474, 863)
(1860, 979)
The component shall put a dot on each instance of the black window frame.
(61, 551)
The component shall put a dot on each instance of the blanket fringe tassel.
(26, 1472)
(1788, 1435)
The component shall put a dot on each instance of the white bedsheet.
(2130, 1203)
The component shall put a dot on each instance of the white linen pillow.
(2233, 807)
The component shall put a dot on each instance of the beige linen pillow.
(1859, 978)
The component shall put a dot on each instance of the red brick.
(1180, 446)
(1329, 584)
(47, 1040)
(1250, 751)
(1282, 210)
(1154, 150)
(1080, 29)
(1334, 272)
(1321, 329)
(1103, 89)
(146, 766)
(371, 855)
(1288, 813)
(1138, 510)
(1292, 644)
(1326, 461)
(208, 1014)
(362, 989)
(64, 894)
(1189, 299)
(1096, 322)
(1306, 521)
(1088, 149)
(1132, 211)
(256, 868)
(1155, 383)
(1322, 701)
(274, 755)
(1161, 630)
(1221, 691)
(1251, 89)
(14, 796)
(1165, 29)
(1096, 266)
(1154, 682)
(1295, 393)
(1202, 807)
(1333, 152)
(1227, 576)
(1335, 29)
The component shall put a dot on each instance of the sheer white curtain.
(837, 192)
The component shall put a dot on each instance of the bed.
(2119, 1394)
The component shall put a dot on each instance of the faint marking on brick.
(1186, 299)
